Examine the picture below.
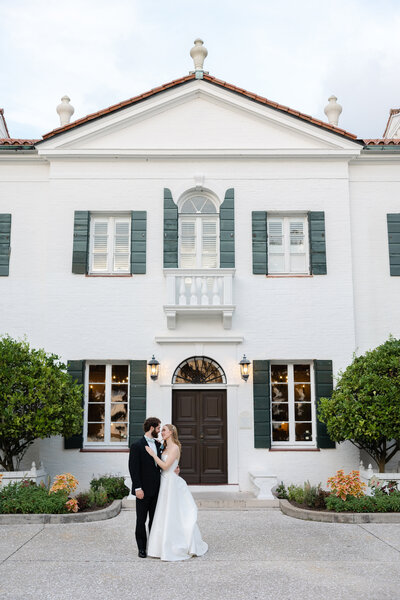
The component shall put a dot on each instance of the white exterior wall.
(375, 192)
(292, 318)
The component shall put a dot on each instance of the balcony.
(199, 292)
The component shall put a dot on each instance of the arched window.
(199, 369)
(198, 232)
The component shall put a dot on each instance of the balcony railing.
(199, 292)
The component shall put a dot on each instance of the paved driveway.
(255, 554)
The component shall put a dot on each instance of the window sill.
(108, 274)
(294, 449)
(287, 275)
(104, 450)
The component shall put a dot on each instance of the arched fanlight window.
(199, 369)
(195, 205)
(198, 232)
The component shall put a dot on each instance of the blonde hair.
(174, 436)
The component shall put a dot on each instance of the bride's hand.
(150, 451)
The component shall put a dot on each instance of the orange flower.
(66, 482)
(72, 505)
(346, 485)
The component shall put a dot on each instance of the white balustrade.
(367, 474)
(199, 291)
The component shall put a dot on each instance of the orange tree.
(365, 405)
(38, 399)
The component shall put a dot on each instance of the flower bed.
(27, 497)
(346, 495)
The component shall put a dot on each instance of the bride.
(174, 533)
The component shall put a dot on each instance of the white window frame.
(286, 218)
(291, 443)
(110, 218)
(107, 443)
(199, 219)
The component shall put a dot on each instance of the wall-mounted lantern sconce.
(154, 367)
(244, 367)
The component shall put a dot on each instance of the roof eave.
(216, 82)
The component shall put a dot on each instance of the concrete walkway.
(253, 554)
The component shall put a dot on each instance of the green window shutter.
(323, 389)
(81, 242)
(316, 233)
(137, 398)
(227, 231)
(262, 404)
(393, 224)
(138, 241)
(170, 231)
(259, 238)
(5, 237)
(76, 368)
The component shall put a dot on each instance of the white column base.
(264, 484)
(128, 483)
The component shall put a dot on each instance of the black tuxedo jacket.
(144, 472)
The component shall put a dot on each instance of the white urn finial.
(333, 110)
(65, 111)
(198, 53)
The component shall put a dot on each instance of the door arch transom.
(199, 370)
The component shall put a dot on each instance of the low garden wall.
(333, 517)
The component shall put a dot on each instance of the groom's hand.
(139, 494)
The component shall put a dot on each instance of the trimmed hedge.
(28, 498)
(113, 485)
(365, 504)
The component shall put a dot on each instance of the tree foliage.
(365, 406)
(38, 399)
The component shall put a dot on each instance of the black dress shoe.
(142, 554)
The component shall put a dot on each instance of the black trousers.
(144, 508)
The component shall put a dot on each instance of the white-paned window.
(288, 244)
(110, 244)
(198, 234)
(292, 405)
(106, 406)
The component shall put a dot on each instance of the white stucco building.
(199, 222)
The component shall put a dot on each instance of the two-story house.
(200, 223)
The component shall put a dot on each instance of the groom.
(145, 475)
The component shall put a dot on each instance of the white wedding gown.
(174, 533)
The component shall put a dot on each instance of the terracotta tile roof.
(280, 107)
(17, 142)
(119, 106)
(382, 141)
(214, 81)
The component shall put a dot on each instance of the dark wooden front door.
(200, 416)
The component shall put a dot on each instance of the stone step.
(221, 501)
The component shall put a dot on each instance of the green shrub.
(101, 496)
(296, 493)
(311, 493)
(113, 485)
(281, 491)
(381, 503)
(27, 498)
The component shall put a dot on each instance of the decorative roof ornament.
(198, 53)
(333, 110)
(65, 111)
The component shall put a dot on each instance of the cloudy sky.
(295, 52)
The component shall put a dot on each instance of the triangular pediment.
(197, 117)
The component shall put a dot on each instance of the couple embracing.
(163, 496)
